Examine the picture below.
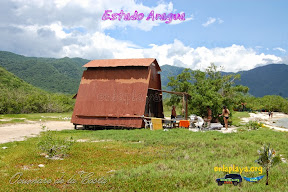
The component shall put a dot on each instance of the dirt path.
(18, 132)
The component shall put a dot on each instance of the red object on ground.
(184, 123)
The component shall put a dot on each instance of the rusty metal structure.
(118, 92)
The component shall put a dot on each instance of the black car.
(234, 179)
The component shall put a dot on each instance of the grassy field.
(20, 118)
(143, 160)
(236, 117)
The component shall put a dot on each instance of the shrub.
(267, 159)
(253, 125)
(52, 145)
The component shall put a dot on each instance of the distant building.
(117, 92)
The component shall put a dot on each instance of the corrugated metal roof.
(123, 63)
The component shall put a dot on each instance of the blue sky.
(249, 23)
(234, 34)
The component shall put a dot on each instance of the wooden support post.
(185, 105)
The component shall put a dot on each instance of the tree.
(207, 88)
(267, 159)
(267, 102)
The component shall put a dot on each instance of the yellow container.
(157, 123)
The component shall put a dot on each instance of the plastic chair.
(148, 124)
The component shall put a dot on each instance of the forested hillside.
(54, 75)
(265, 80)
(17, 96)
(167, 71)
(63, 75)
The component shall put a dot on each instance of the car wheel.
(235, 183)
(220, 183)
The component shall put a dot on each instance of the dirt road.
(18, 132)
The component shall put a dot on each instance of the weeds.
(267, 159)
(253, 125)
(52, 145)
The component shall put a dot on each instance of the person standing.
(225, 114)
(173, 114)
(209, 116)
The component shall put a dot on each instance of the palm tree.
(267, 159)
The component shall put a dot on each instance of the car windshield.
(232, 176)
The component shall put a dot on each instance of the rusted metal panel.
(123, 63)
(114, 96)
(106, 121)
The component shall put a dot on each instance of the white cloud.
(220, 21)
(52, 29)
(285, 60)
(209, 21)
(143, 24)
(280, 49)
(85, 13)
(212, 20)
(186, 20)
(36, 41)
(232, 59)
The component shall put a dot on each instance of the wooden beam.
(172, 92)
(185, 99)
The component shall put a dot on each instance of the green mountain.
(54, 75)
(9, 81)
(265, 80)
(17, 96)
(167, 71)
(63, 75)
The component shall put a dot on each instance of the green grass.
(12, 121)
(236, 118)
(16, 118)
(144, 160)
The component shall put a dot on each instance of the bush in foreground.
(52, 145)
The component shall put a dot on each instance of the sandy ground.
(264, 118)
(223, 130)
(18, 132)
(230, 129)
